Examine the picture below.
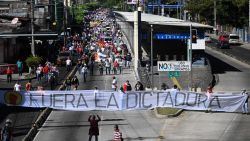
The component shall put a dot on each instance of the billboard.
(134, 1)
(174, 66)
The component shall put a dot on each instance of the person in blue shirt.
(19, 64)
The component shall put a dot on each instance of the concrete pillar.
(136, 38)
(162, 10)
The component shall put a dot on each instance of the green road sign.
(174, 74)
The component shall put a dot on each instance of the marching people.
(68, 64)
(114, 84)
(28, 86)
(115, 67)
(67, 84)
(245, 106)
(107, 66)
(139, 86)
(173, 93)
(79, 66)
(6, 132)
(84, 72)
(94, 129)
(101, 67)
(127, 86)
(117, 134)
(209, 93)
(52, 80)
(164, 86)
(75, 82)
(9, 73)
(17, 86)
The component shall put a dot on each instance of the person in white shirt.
(17, 86)
(173, 93)
(114, 84)
(84, 72)
(68, 64)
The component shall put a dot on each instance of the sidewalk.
(15, 77)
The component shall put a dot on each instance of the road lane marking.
(175, 82)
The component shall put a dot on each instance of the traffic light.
(194, 36)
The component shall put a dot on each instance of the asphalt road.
(232, 72)
(144, 125)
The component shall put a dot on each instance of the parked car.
(63, 56)
(234, 39)
(207, 39)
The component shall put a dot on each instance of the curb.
(167, 116)
(43, 116)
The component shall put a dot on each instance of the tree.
(81, 10)
(229, 12)
(33, 61)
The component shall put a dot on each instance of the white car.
(234, 39)
(207, 39)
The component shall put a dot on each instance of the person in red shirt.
(9, 73)
(46, 71)
(127, 86)
(28, 86)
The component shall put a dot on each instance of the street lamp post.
(190, 59)
(32, 28)
(215, 17)
(151, 56)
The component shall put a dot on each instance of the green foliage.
(33, 61)
(166, 110)
(229, 12)
(81, 10)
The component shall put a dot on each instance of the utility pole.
(190, 85)
(137, 38)
(248, 21)
(151, 56)
(215, 26)
(65, 18)
(32, 28)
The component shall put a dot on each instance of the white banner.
(86, 100)
(173, 66)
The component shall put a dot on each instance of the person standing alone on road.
(117, 134)
(94, 129)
